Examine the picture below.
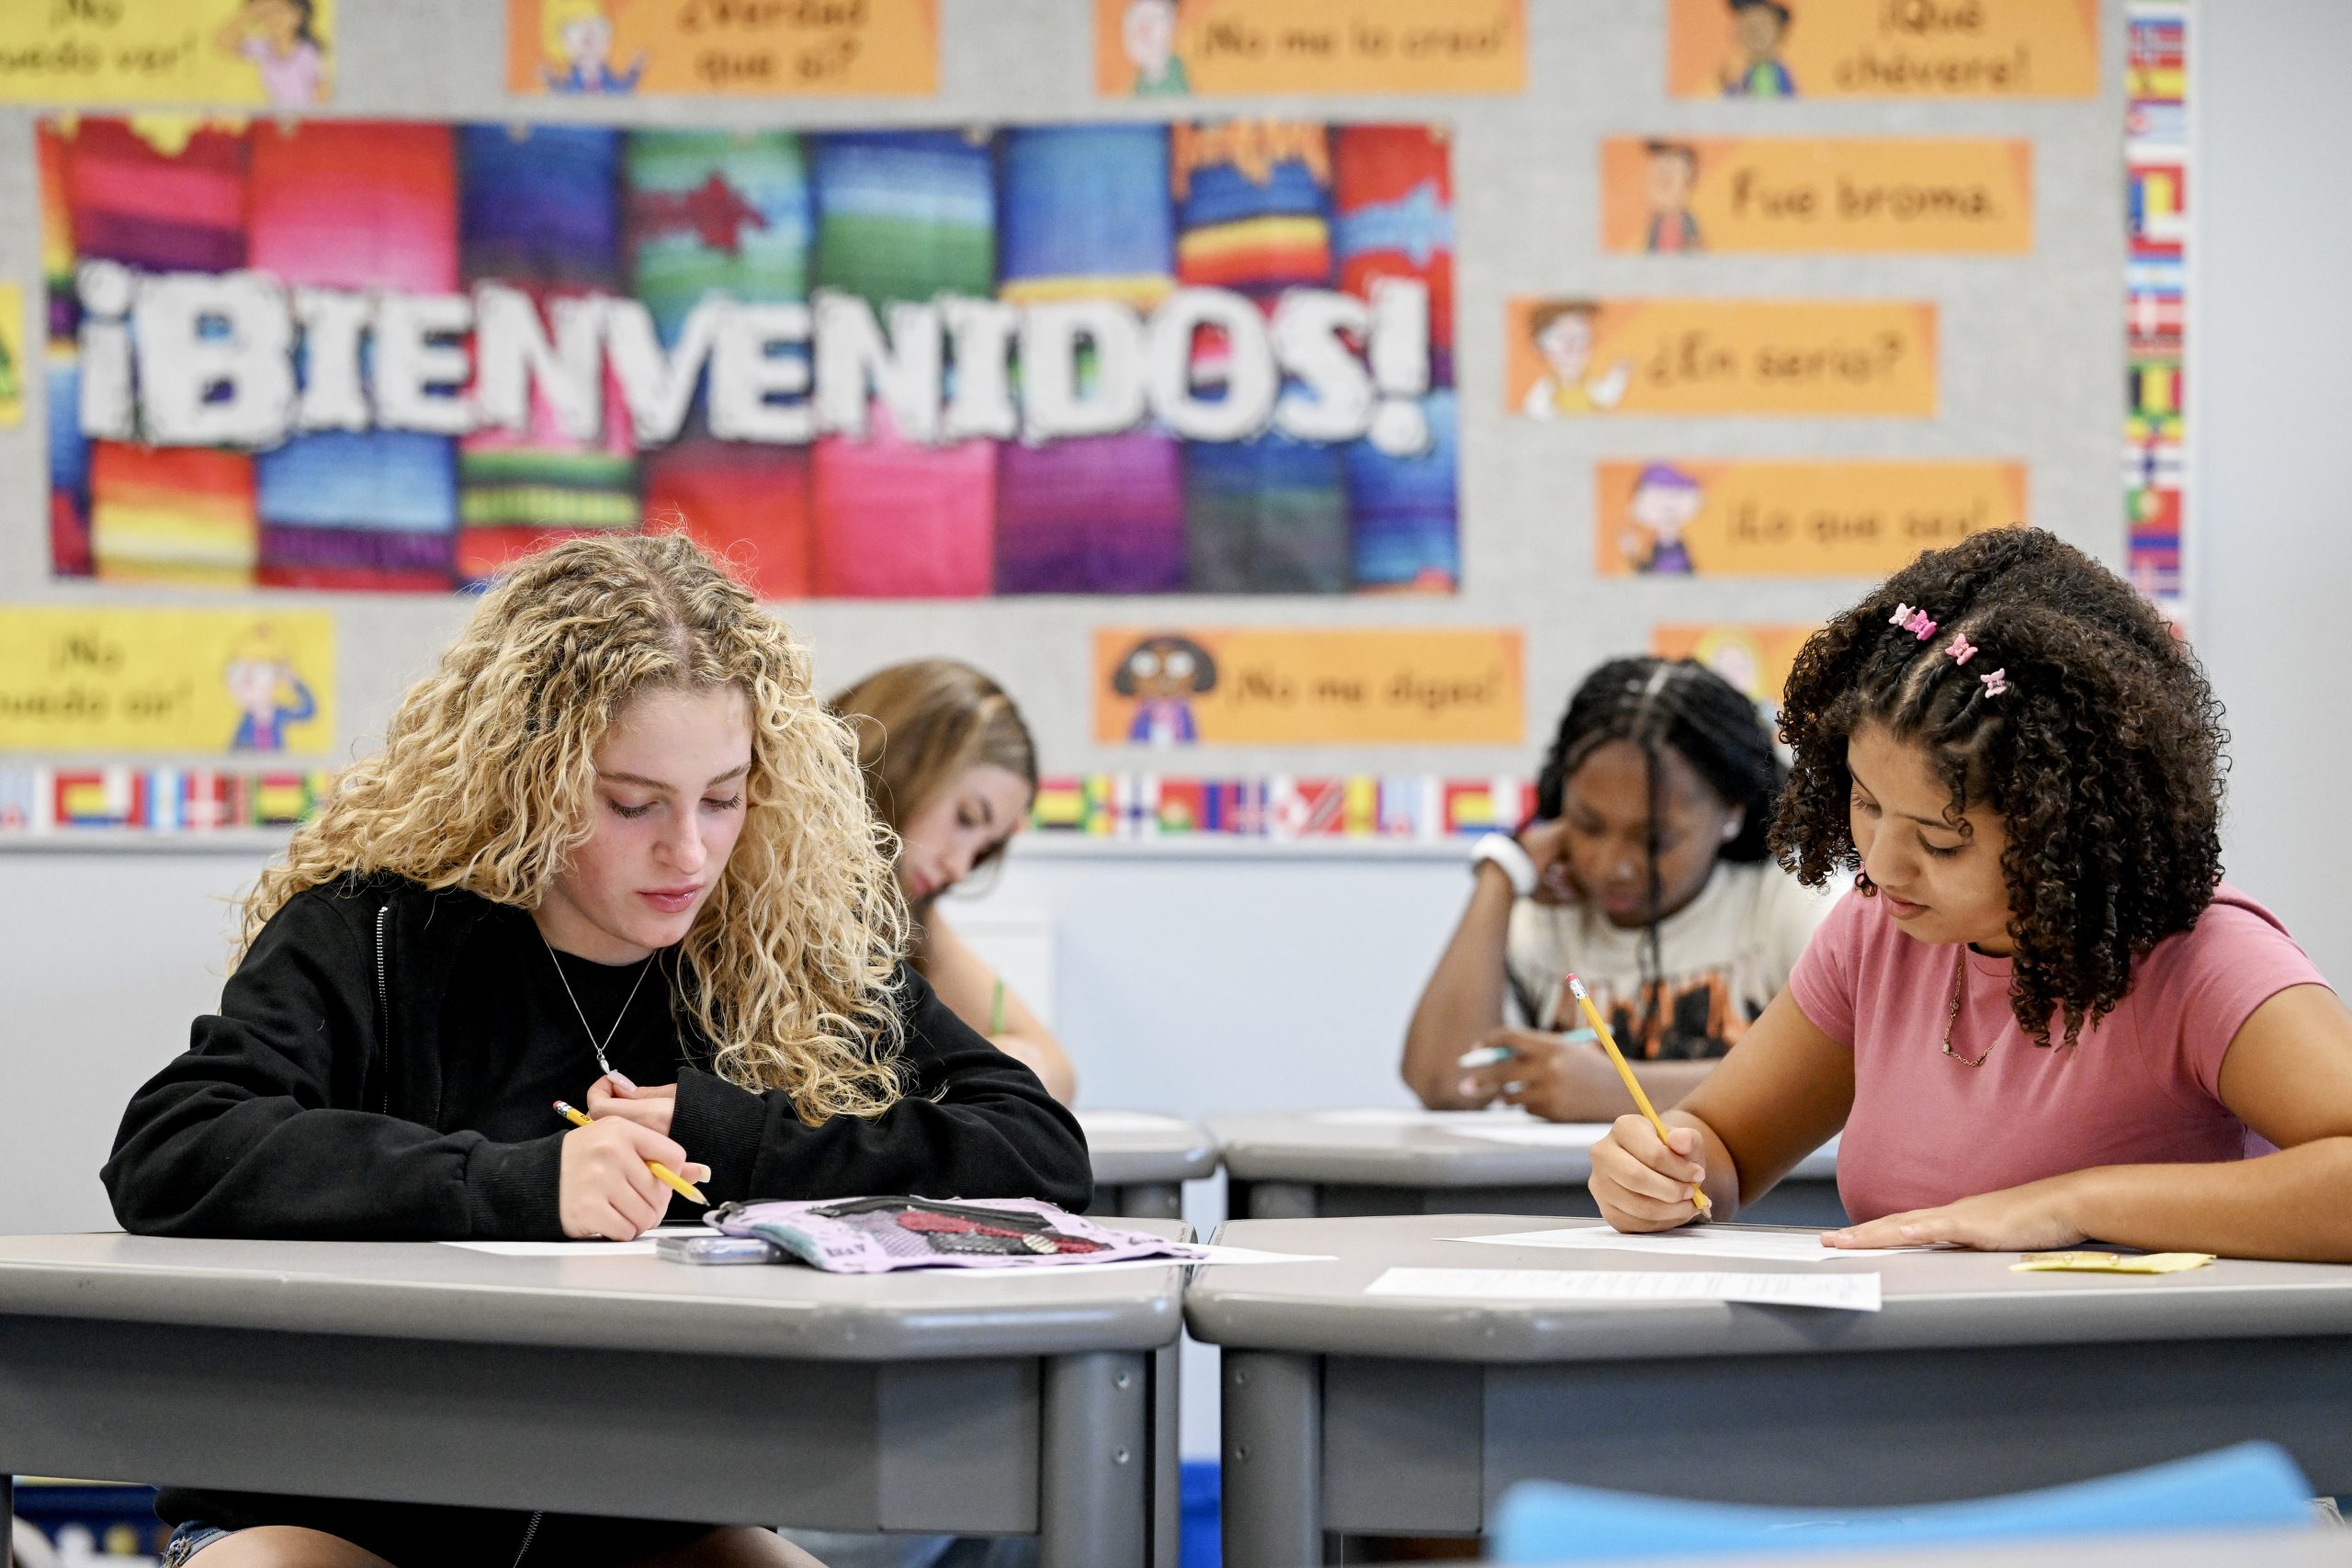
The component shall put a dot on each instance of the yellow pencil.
(1609, 1043)
(670, 1178)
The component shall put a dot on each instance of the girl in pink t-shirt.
(2041, 1018)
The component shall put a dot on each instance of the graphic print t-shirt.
(1725, 955)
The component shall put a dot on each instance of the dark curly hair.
(1682, 706)
(2103, 756)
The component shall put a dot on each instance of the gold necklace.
(1959, 979)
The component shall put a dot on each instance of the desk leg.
(1139, 1200)
(1096, 1463)
(1154, 1200)
(1280, 1200)
(1274, 1460)
(1167, 1456)
(7, 1520)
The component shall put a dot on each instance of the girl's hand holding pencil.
(1673, 1154)
(609, 1187)
(1644, 1182)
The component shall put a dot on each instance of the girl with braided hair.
(2044, 1017)
(1646, 872)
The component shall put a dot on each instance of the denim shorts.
(189, 1539)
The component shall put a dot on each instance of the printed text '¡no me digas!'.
(209, 359)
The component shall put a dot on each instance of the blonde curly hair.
(484, 784)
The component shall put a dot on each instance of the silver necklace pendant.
(603, 1063)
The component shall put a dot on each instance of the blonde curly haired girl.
(615, 852)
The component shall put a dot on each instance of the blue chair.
(2249, 1486)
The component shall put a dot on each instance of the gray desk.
(969, 1404)
(1302, 1164)
(1390, 1415)
(1142, 1161)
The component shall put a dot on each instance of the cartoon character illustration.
(1665, 500)
(1148, 34)
(1163, 674)
(1674, 169)
(279, 37)
(1758, 26)
(271, 695)
(1733, 653)
(1561, 332)
(577, 39)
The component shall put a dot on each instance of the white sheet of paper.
(1698, 1241)
(1129, 1122)
(642, 1247)
(1844, 1293)
(1222, 1255)
(1535, 1134)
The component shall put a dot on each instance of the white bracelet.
(1503, 850)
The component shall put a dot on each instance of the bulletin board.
(1573, 313)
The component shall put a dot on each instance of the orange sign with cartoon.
(1755, 657)
(1666, 195)
(1720, 356)
(874, 48)
(1281, 686)
(1686, 517)
(1147, 49)
(1882, 49)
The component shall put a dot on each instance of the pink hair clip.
(1902, 612)
(1918, 626)
(1961, 649)
(1996, 683)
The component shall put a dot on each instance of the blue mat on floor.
(1201, 1542)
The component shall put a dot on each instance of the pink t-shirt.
(2140, 1087)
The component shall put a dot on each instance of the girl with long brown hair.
(951, 768)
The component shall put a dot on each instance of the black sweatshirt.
(366, 1080)
(381, 1069)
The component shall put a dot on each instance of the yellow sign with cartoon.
(1569, 357)
(265, 53)
(1882, 49)
(189, 681)
(1300, 686)
(1685, 518)
(1756, 658)
(12, 356)
(599, 48)
(1664, 196)
(1149, 49)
